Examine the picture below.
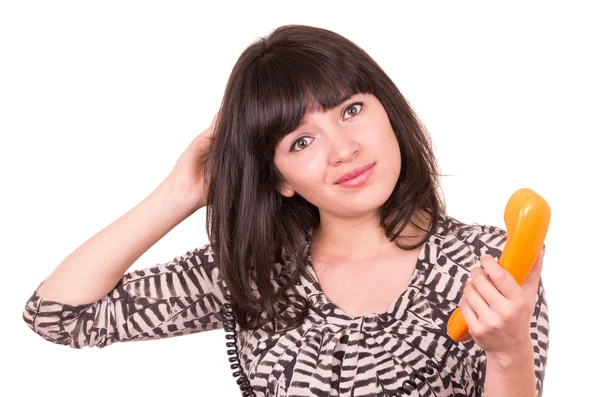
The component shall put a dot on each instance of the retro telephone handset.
(527, 217)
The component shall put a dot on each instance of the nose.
(343, 147)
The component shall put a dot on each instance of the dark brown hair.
(251, 226)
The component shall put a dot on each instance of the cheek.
(308, 180)
(386, 148)
(303, 173)
(308, 175)
(390, 155)
(392, 144)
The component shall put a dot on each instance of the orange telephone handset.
(527, 217)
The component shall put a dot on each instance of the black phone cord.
(234, 356)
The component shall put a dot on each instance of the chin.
(369, 200)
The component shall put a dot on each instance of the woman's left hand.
(497, 309)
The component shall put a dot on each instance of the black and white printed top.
(404, 351)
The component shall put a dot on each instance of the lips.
(354, 173)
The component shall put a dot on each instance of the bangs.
(282, 88)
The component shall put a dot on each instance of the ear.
(285, 190)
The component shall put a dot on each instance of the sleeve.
(491, 241)
(181, 297)
(540, 331)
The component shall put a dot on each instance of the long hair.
(251, 226)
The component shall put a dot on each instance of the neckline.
(397, 306)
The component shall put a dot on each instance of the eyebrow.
(345, 99)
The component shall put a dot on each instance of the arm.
(88, 301)
(95, 268)
(180, 297)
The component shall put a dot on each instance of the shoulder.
(471, 239)
(199, 256)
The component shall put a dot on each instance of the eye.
(300, 143)
(353, 109)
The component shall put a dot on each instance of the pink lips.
(354, 173)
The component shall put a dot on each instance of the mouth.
(353, 174)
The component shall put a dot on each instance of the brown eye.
(300, 144)
(353, 109)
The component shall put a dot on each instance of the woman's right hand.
(188, 176)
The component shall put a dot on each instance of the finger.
(214, 121)
(487, 289)
(502, 279)
(476, 301)
(469, 315)
(532, 280)
(209, 131)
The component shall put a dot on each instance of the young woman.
(330, 248)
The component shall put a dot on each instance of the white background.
(97, 101)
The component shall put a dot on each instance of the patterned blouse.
(404, 351)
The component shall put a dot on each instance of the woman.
(329, 246)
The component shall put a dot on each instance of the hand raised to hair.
(188, 175)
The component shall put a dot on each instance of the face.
(327, 145)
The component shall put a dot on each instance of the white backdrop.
(97, 101)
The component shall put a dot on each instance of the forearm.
(94, 268)
(511, 375)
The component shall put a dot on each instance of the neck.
(359, 239)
